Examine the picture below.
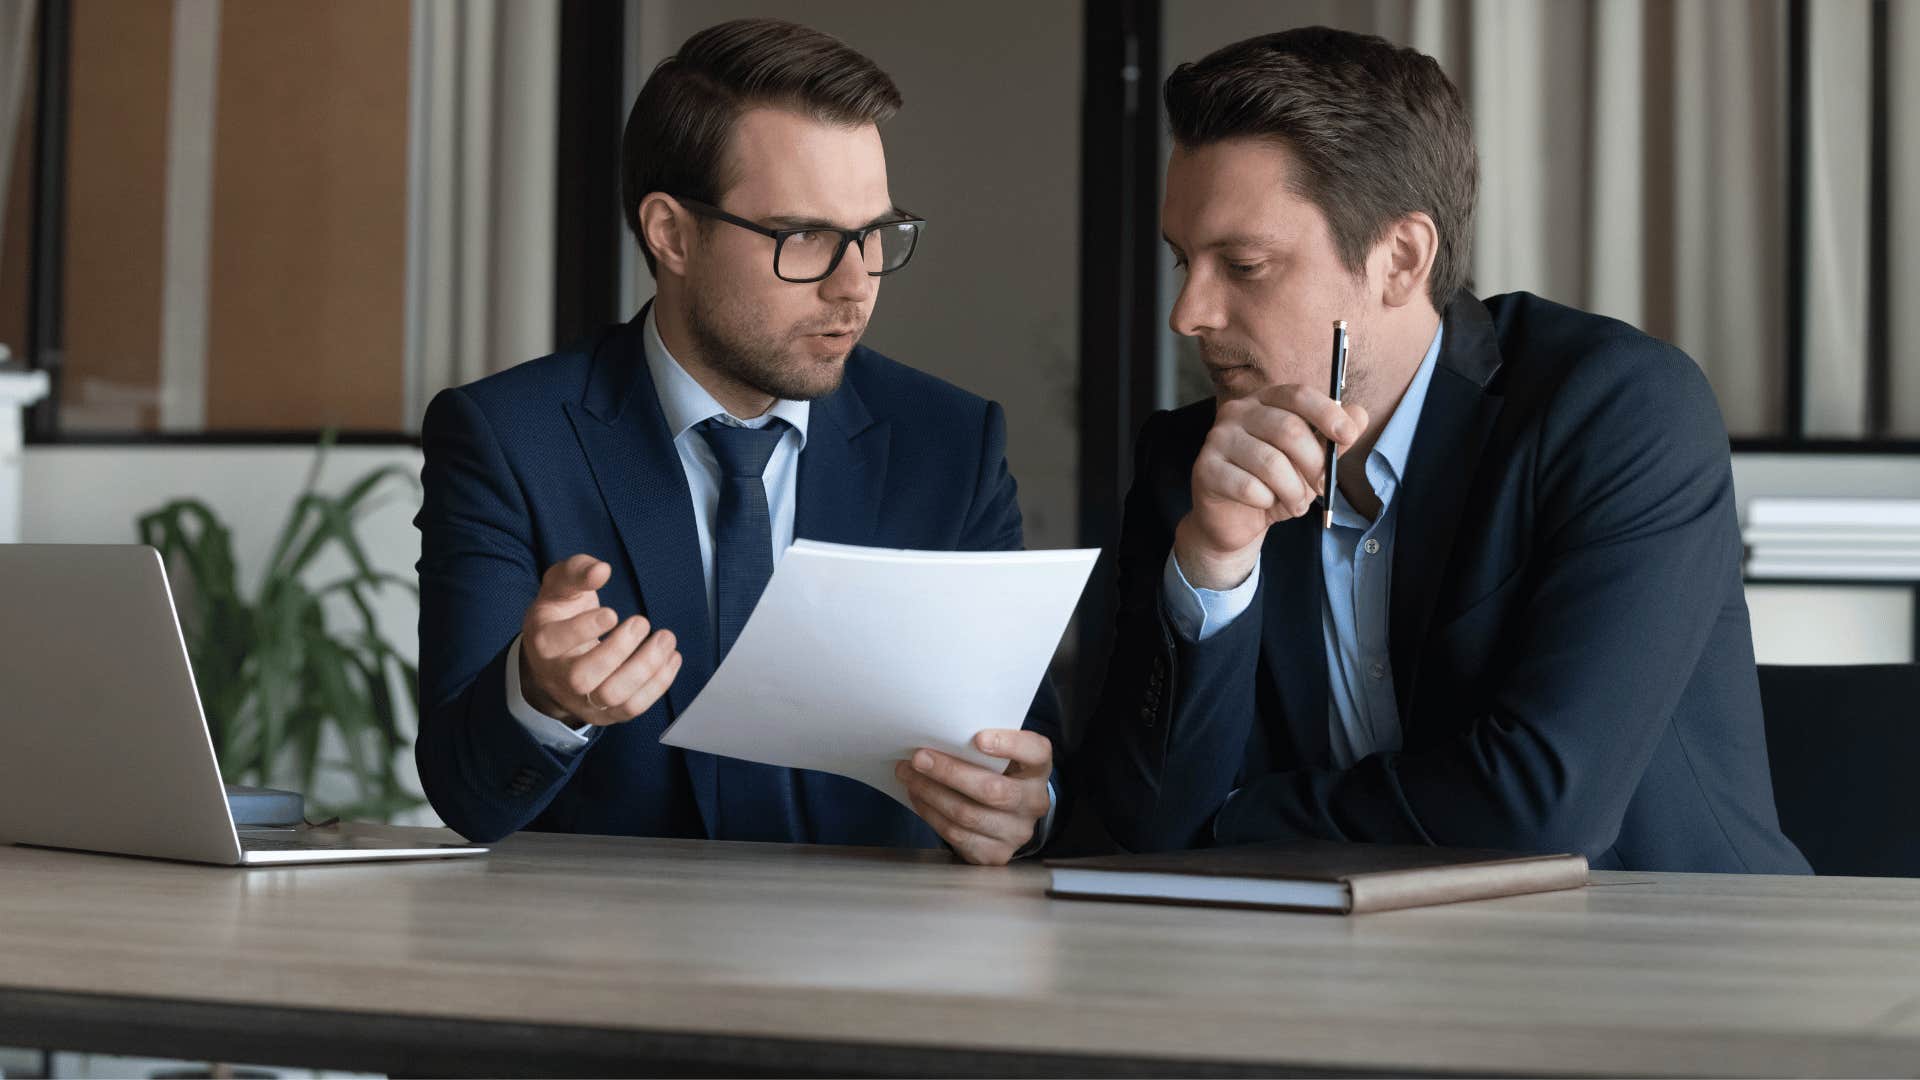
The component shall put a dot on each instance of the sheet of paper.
(855, 657)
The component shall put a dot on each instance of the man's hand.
(986, 816)
(569, 671)
(1263, 462)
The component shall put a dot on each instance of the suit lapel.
(1293, 639)
(624, 434)
(1454, 423)
(843, 470)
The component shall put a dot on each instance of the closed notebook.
(1315, 876)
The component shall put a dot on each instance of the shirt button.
(1372, 545)
(1377, 669)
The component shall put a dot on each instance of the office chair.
(1844, 746)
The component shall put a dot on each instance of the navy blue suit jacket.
(1568, 633)
(571, 453)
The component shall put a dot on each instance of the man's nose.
(849, 279)
(1196, 310)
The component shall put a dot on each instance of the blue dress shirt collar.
(686, 403)
(1387, 461)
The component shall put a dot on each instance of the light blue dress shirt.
(686, 404)
(1356, 560)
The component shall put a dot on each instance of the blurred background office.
(231, 225)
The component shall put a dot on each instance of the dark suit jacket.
(570, 453)
(1568, 634)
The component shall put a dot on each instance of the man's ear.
(1409, 248)
(668, 228)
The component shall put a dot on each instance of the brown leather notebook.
(1347, 879)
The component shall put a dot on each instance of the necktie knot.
(742, 452)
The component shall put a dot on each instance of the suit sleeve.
(483, 772)
(1168, 735)
(993, 524)
(1635, 546)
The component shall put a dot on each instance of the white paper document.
(855, 657)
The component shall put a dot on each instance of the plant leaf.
(272, 677)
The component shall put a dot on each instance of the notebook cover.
(1379, 877)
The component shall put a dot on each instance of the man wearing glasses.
(599, 523)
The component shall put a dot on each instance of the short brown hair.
(676, 136)
(1378, 132)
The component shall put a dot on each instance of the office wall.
(93, 494)
(1829, 624)
(116, 186)
(987, 149)
(236, 212)
(16, 232)
(306, 281)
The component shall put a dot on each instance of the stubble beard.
(757, 360)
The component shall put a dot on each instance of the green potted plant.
(274, 677)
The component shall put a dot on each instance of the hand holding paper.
(987, 817)
(856, 658)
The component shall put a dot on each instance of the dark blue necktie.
(756, 801)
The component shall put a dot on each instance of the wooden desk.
(607, 956)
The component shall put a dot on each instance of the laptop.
(103, 746)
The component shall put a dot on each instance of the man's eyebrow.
(1256, 241)
(801, 221)
(1241, 241)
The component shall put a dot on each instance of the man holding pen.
(1524, 626)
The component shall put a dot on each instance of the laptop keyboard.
(332, 840)
(253, 844)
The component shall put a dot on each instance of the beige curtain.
(481, 200)
(1838, 101)
(1633, 162)
(1903, 128)
(16, 48)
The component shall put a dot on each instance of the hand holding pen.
(1269, 457)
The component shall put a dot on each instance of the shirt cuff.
(1042, 832)
(553, 734)
(1198, 614)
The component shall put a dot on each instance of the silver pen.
(1334, 391)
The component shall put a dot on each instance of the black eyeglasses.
(811, 253)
